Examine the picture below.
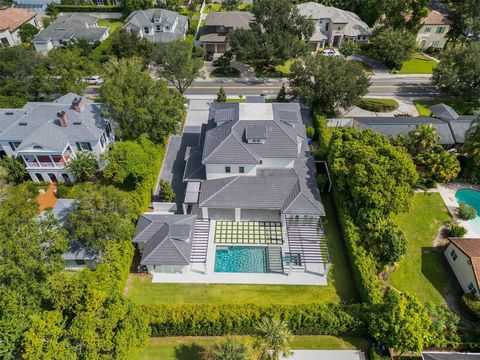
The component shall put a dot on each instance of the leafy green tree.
(404, 14)
(424, 138)
(126, 44)
(272, 338)
(401, 323)
(465, 16)
(166, 191)
(472, 142)
(15, 169)
(326, 83)
(458, 73)
(129, 6)
(276, 35)
(229, 349)
(221, 96)
(282, 94)
(139, 104)
(443, 331)
(231, 5)
(439, 164)
(173, 5)
(177, 64)
(392, 47)
(83, 166)
(27, 32)
(348, 48)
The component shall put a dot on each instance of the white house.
(433, 33)
(463, 255)
(47, 135)
(11, 20)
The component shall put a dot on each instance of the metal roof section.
(444, 112)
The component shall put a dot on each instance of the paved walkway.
(47, 200)
(376, 66)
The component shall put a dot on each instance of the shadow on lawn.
(189, 352)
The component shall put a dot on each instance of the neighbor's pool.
(472, 198)
(245, 259)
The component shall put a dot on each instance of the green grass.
(236, 100)
(366, 67)
(183, 348)
(461, 107)
(378, 105)
(340, 289)
(100, 53)
(421, 272)
(418, 64)
(213, 8)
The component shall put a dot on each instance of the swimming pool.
(472, 198)
(241, 259)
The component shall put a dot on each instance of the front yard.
(423, 271)
(461, 107)
(418, 64)
(100, 53)
(191, 348)
(340, 289)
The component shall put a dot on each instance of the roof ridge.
(282, 129)
(233, 178)
(234, 134)
(226, 123)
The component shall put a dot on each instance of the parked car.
(94, 80)
(330, 52)
(209, 57)
(216, 62)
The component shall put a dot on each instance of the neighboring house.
(157, 25)
(78, 256)
(333, 26)
(11, 19)
(213, 34)
(47, 135)
(451, 127)
(433, 33)
(35, 5)
(67, 28)
(463, 255)
(449, 356)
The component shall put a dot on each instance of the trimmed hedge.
(87, 8)
(241, 319)
(471, 305)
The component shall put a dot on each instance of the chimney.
(62, 117)
(78, 104)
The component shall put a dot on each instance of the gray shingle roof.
(37, 125)
(460, 127)
(194, 169)
(444, 112)
(450, 356)
(73, 25)
(231, 19)
(62, 208)
(166, 238)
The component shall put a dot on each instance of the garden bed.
(378, 105)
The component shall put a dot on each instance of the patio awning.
(192, 192)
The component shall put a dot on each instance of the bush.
(467, 212)
(198, 52)
(15, 169)
(349, 48)
(378, 105)
(471, 304)
(221, 96)
(455, 229)
(166, 192)
(225, 71)
(241, 319)
(310, 132)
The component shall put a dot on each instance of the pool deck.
(447, 192)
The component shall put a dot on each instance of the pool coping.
(447, 192)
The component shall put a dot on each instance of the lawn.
(422, 271)
(183, 348)
(418, 64)
(340, 289)
(378, 105)
(366, 67)
(461, 107)
(236, 100)
(100, 53)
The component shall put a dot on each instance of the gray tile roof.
(73, 25)
(37, 125)
(147, 18)
(444, 112)
(450, 356)
(231, 19)
(194, 169)
(254, 130)
(166, 238)
(460, 127)
(255, 99)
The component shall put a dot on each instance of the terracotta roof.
(471, 248)
(435, 18)
(13, 18)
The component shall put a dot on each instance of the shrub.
(471, 304)
(467, 212)
(83, 166)
(310, 132)
(221, 96)
(198, 52)
(166, 192)
(225, 71)
(378, 105)
(455, 229)
(349, 48)
(15, 169)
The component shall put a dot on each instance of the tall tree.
(15, 169)
(458, 73)
(327, 82)
(127, 43)
(276, 34)
(83, 166)
(27, 32)
(400, 14)
(129, 6)
(423, 139)
(465, 18)
(177, 65)
(392, 47)
(472, 142)
(272, 338)
(139, 104)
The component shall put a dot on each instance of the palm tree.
(423, 138)
(83, 165)
(273, 337)
(230, 349)
(472, 142)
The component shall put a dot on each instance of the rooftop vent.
(22, 124)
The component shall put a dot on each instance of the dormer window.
(146, 30)
(256, 133)
(38, 147)
(158, 28)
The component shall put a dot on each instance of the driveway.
(376, 66)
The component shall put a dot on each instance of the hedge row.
(241, 319)
(87, 8)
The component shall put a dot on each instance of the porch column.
(205, 213)
(238, 214)
(53, 162)
(184, 207)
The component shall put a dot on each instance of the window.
(167, 28)
(471, 289)
(453, 255)
(228, 169)
(108, 129)
(339, 28)
(80, 262)
(428, 29)
(14, 144)
(326, 26)
(435, 43)
(84, 146)
(241, 169)
(4, 42)
(146, 30)
(103, 140)
(158, 28)
(440, 30)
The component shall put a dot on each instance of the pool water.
(241, 259)
(472, 198)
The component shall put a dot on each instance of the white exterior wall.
(461, 267)
(276, 163)
(426, 39)
(43, 46)
(7, 35)
(216, 171)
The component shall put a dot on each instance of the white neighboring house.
(11, 19)
(158, 25)
(433, 32)
(463, 255)
(47, 135)
(333, 25)
(67, 28)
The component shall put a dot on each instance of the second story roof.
(435, 18)
(230, 19)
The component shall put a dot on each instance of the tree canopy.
(392, 47)
(472, 142)
(127, 43)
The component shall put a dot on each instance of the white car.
(331, 52)
(94, 80)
